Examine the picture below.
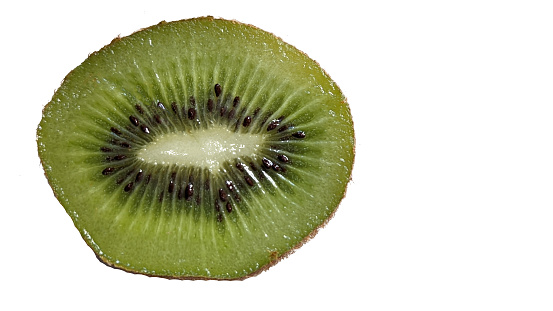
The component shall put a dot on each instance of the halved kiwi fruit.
(197, 149)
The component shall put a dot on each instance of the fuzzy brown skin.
(274, 256)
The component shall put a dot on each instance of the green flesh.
(152, 228)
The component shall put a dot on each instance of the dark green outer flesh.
(170, 62)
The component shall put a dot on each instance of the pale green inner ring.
(207, 148)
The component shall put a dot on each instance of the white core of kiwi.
(207, 148)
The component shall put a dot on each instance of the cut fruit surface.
(201, 148)
(204, 148)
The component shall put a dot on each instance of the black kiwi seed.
(147, 179)
(267, 163)
(139, 109)
(249, 180)
(240, 166)
(210, 105)
(189, 191)
(256, 111)
(282, 158)
(108, 171)
(145, 129)
(217, 206)
(160, 105)
(115, 131)
(236, 101)
(134, 120)
(174, 108)
(171, 186)
(222, 195)
(247, 121)
(299, 134)
(128, 187)
(139, 176)
(252, 165)
(229, 207)
(230, 185)
(124, 144)
(273, 125)
(277, 168)
(218, 89)
(223, 110)
(105, 149)
(231, 114)
(157, 118)
(120, 157)
(191, 113)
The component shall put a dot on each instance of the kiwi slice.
(197, 149)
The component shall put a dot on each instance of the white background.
(450, 206)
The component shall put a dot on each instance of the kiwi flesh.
(197, 149)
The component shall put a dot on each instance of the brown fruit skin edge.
(275, 258)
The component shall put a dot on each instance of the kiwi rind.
(273, 257)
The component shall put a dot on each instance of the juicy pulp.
(171, 62)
